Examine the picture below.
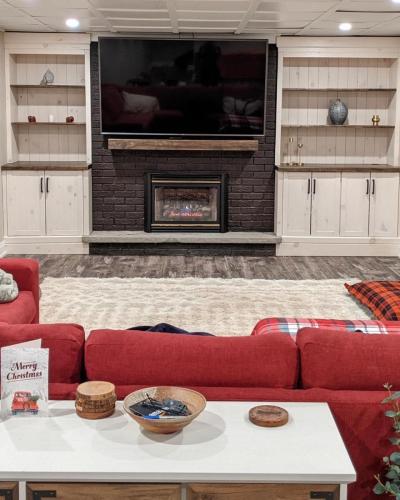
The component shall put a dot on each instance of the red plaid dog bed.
(382, 298)
(292, 325)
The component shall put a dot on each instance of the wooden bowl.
(195, 402)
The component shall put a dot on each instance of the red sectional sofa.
(346, 370)
(25, 308)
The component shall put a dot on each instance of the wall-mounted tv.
(182, 87)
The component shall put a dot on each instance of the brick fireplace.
(119, 176)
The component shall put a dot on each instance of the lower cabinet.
(44, 203)
(102, 491)
(9, 491)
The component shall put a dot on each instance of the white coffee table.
(221, 446)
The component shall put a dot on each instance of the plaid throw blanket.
(291, 326)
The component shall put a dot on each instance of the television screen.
(182, 87)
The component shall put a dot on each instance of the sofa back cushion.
(138, 358)
(65, 344)
(349, 361)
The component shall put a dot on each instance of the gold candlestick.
(300, 147)
(375, 120)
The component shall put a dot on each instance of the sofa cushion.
(20, 310)
(130, 357)
(65, 344)
(291, 326)
(382, 298)
(349, 361)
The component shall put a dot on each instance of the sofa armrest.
(26, 274)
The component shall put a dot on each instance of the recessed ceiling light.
(72, 23)
(345, 26)
(396, 1)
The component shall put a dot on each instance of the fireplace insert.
(186, 203)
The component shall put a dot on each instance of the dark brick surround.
(118, 176)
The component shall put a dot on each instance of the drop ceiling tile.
(293, 5)
(130, 4)
(162, 23)
(136, 14)
(213, 5)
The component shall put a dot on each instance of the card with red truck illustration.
(24, 379)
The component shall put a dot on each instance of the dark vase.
(338, 112)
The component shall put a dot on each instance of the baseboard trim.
(334, 249)
(47, 248)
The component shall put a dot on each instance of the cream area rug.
(219, 306)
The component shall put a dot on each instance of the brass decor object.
(375, 120)
(290, 152)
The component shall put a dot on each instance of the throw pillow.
(8, 287)
(291, 326)
(136, 103)
(382, 298)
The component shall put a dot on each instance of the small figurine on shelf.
(48, 78)
(300, 147)
(31, 119)
(290, 151)
(70, 119)
(375, 120)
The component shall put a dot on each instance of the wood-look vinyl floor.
(296, 268)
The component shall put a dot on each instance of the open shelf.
(337, 126)
(185, 144)
(338, 89)
(50, 86)
(48, 123)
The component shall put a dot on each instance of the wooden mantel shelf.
(185, 144)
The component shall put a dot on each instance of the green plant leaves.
(379, 489)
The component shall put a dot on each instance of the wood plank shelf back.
(184, 144)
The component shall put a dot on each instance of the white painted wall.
(2, 129)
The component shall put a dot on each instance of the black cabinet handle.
(309, 186)
(314, 185)
(47, 184)
(41, 184)
(373, 186)
(367, 186)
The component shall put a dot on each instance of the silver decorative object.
(48, 78)
(338, 112)
(299, 148)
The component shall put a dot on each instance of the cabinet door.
(9, 491)
(325, 211)
(262, 491)
(296, 203)
(25, 203)
(64, 203)
(103, 491)
(354, 205)
(384, 211)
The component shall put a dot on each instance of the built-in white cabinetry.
(41, 203)
(25, 203)
(297, 204)
(331, 213)
(325, 204)
(47, 177)
(46, 210)
(384, 205)
(337, 186)
(311, 204)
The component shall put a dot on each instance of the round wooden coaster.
(268, 416)
(96, 390)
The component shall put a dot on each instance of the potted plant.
(390, 484)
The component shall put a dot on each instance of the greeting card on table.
(24, 379)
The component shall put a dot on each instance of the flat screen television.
(182, 87)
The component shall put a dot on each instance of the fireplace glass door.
(184, 203)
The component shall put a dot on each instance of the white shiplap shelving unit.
(365, 78)
(50, 138)
(344, 199)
